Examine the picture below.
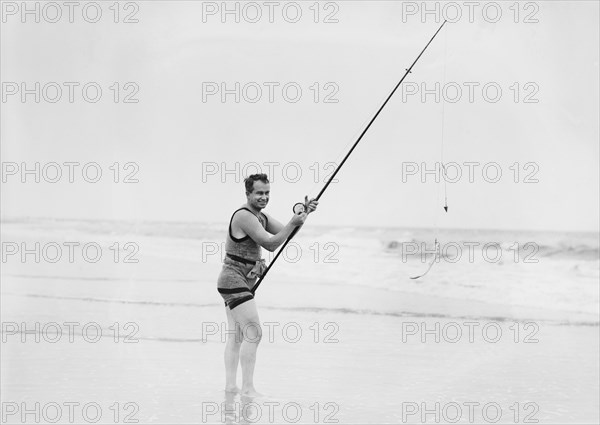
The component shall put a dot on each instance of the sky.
(170, 147)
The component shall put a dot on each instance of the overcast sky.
(541, 129)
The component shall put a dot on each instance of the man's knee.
(234, 341)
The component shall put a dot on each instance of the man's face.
(260, 195)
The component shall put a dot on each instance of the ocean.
(555, 271)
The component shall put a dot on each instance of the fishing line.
(444, 121)
(436, 243)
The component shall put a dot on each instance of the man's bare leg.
(232, 353)
(246, 317)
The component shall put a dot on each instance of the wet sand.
(317, 362)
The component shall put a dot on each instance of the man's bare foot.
(251, 392)
(233, 389)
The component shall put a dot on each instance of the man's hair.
(249, 181)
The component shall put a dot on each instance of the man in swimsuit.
(249, 230)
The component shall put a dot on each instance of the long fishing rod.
(338, 168)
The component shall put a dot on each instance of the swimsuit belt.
(240, 259)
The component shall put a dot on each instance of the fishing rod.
(299, 207)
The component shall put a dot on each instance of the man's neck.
(253, 209)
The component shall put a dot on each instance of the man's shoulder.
(243, 213)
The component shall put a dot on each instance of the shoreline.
(360, 300)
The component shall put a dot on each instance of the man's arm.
(273, 226)
(252, 227)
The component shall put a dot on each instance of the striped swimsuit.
(242, 255)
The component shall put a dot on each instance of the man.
(249, 230)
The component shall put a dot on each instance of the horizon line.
(9, 218)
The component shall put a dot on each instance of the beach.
(451, 273)
(471, 342)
